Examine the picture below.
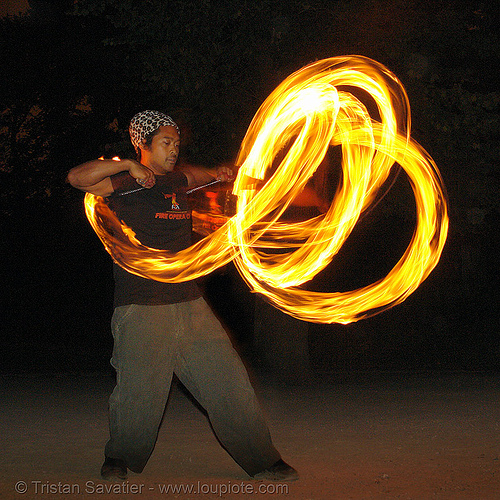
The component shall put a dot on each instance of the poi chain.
(309, 112)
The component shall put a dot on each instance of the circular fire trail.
(312, 110)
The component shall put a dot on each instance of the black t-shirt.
(160, 218)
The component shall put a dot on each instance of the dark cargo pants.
(153, 342)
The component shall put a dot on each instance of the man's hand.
(143, 175)
(224, 174)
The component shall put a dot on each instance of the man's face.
(162, 154)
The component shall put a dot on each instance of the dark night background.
(75, 72)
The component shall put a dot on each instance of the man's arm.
(197, 176)
(95, 176)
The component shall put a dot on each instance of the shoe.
(280, 471)
(114, 469)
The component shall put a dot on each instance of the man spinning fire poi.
(164, 328)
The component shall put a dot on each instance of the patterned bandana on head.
(145, 122)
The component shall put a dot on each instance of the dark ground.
(362, 436)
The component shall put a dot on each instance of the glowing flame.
(310, 111)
